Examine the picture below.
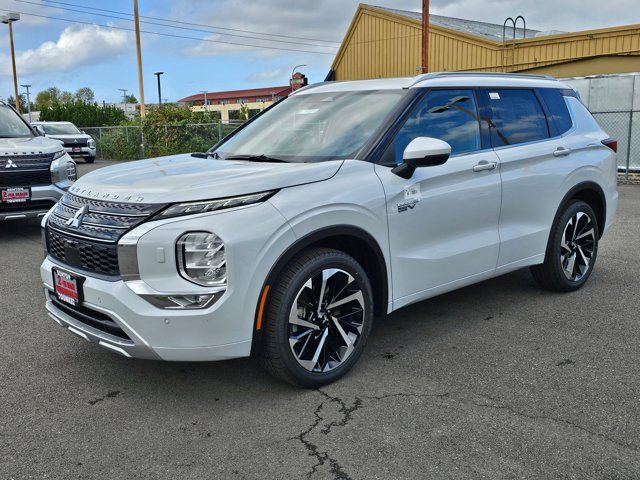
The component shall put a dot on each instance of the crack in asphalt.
(347, 412)
(559, 420)
(113, 394)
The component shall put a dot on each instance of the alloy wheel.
(326, 320)
(577, 247)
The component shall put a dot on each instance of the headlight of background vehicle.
(191, 208)
(91, 143)
(202, 259)
(63, 170)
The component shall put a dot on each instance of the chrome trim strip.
(91, 239)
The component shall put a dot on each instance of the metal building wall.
(380, 43)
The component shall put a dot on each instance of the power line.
(89, 12)
(191, 23)
(267, 47)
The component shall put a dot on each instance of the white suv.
(343, 202)
(34, 171)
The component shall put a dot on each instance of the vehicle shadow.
(16, 230)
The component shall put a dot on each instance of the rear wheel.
(572, 249)
(319, 316)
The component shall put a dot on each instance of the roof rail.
(428, 76)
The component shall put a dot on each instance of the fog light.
(183, 302)
(202, 259)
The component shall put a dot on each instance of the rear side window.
(516, 117)
(557, 109)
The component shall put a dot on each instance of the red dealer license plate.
(68, 287)
(15, 195)
(77, 149)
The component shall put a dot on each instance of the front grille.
(26, 206)
(27, 178)
(31, 161)
(70, 143)
(92, 245)
(92, 318)
(90, 256)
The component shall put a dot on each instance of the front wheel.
(89, 159)
(318, 319)
(572, 249)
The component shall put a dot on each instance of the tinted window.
(557, 108)
(517, 117)
(448, 115)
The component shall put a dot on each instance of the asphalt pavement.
(500, 380)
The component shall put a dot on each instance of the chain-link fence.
(136, 142)
(624, 126)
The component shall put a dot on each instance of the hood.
(25, 146)
(183, 178)
(71, 136)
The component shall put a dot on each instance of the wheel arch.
(590, 193)
(349, 239)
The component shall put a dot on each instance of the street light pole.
(205, 98)
(8, 19)
(124, 96)
(27, 87)
(157, 74)
(425, 36)
(297, 67)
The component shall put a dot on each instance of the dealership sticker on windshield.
(494, 95)
(309, 111)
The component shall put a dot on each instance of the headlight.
(58, 155)
(192, 208)
(71, 171)
(202, 259)
(63, 171)
(91, 143)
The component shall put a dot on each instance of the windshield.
(314, 127)
(60, 128)
(11, 125)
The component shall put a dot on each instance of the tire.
(322, 353)
(89, 159)
(573, 242)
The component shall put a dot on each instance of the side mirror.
(422, 152)
(40, 130)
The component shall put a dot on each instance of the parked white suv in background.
(345, 201)
(76, 143)
(34, 171)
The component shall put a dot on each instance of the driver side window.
(448, 115)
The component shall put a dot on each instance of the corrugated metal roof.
(492, 31)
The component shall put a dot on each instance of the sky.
(89, 43)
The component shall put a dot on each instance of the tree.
(85, 94)
(47, 98)
(131, 99)
(244, 112)
(23, 101)
(66, 97)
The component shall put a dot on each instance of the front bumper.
(85, 152)
(221, 331)
(42, 199)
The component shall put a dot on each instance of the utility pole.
(157, 74)
(124, 97)
(136, 18)
(8, 19)
(425, 36)
(27, 87)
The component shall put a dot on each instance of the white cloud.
(76, 47)
(275, 74)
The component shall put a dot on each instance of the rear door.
(443, 222)
(531, 154)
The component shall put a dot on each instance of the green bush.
(83, 114)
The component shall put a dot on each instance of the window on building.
(234, 115)
(557, 108)
(224, 102)
(448, 115)
(253, 112)
(517, 117)
(243, 100)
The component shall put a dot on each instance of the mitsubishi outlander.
(343, 202)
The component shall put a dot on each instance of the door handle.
(482, 166)
(561, 152)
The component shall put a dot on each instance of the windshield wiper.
(201, 155)
(255, 158)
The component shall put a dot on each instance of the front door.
(443, 222)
